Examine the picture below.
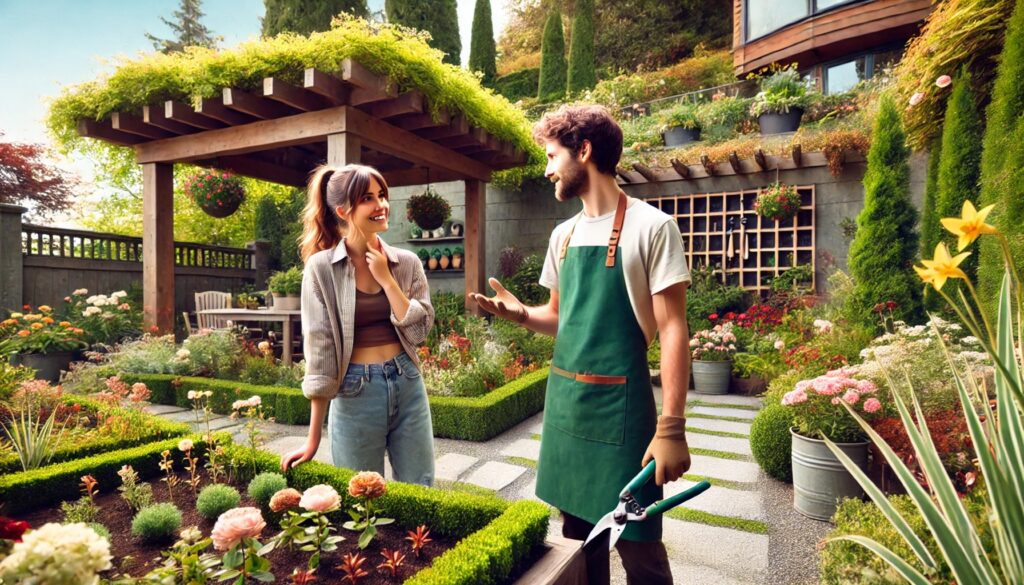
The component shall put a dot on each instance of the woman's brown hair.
(329, 188)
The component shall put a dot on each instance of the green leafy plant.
(770, 441)
(683, 115)
(156, 523)
(723, 117)
(367, 486)
(796, 279)
(435, 253)
(265, 485)
(216, 499)
(105, 319)
(286, 282)
(458, 251)
(780, 91)
(428, 209)
(137, 494)
(34, 442)
(777, 202)
(39, 333)
(423, 254)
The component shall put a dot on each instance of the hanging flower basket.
(428, 209)
(215, 192)
(777, 202)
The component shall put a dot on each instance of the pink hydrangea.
(235, 525)
(872, 405)
(794, 397)
(851, 397)
(320, 498)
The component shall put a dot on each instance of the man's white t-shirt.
(653, 258)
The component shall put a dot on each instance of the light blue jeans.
(384, 407)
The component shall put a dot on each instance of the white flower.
(185, 445)
(780, 345)
(90, 311)
(57, 554)
(191, 394)
(970, 340)
(81, 291)
(182, 354)
(119, 293)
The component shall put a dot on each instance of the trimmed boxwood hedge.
(471, 419)
(38, 488)
(155, 428)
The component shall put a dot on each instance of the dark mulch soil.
(136, 558)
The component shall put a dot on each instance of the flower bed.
(472, 419)
(495, 539)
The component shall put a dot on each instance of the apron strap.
(613, 240)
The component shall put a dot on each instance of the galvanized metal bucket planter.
(819, 479)
(712, 377)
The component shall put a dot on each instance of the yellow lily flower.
(969, 225)
(927, 274)
(943, 266)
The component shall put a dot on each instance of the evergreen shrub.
(216, 499)
(157, 523)
(265, 485)
(552, 60)
(582, 74)
(770, 441)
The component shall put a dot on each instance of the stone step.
(716, 443)
(721, 501)
(732, 399)
(536, 429)
(525, 448)
(724, 411)
(727, 469)
(741, 556)
(452, 465)
(495, 475)
(162, 409)
(714, 424)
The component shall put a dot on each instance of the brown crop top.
(373, 321)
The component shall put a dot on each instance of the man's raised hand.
(503, 304)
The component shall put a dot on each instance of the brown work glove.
(668, 449)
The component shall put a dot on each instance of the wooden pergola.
(282, 133)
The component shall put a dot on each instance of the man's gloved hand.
(669, 449)
(503, 304)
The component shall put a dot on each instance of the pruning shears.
(630, 510)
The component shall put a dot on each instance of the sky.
(47, 44)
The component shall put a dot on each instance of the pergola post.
(158, 247)
(475, 241)
(343, 149)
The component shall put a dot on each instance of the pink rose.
(851, 397)
(780, 345)
(320, 498)
(943, 81)
(235, 525)
(872, 405)
(917, 98)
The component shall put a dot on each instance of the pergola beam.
(296, 97)
(180, 112)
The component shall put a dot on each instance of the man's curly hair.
(571, 125)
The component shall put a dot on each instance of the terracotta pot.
(751, 386)
(457, 261)
(445, 262)
(432, 263)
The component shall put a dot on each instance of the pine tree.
(187, 28)
(886, 244)
(307, 16)
(931, 228)
(582, 75)
(959, 168)
(482, 52)
(996, 188)
(552, 60)
(438, 17)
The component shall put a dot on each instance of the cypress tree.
(552, 60)
(959, 168)
(886, 244)
(438, 17)
(306, 16)
(582, 75)
(931, 228)
(996, 188)
(188, 30)
(482, 51)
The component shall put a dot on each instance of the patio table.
(266, 315)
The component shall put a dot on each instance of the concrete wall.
(525, 218)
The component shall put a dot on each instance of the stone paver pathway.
(718, 537)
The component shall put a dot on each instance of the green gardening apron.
(599, 412)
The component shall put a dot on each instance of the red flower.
(890, 305)
(713, 316)
(11, 529)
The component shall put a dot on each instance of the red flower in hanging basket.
(218, 195)
(777, 202)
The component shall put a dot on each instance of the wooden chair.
(188, 324)
(212, 300)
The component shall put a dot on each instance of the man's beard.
(572, 184)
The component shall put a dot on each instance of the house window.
(766, 16)
(840, 76)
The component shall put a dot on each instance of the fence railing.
(39, 240)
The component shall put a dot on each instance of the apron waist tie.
(588, 378)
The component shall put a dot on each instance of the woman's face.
(371, 211)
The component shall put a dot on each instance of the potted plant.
(751, 373)
(777, 202)
(680, 125)
(819, 478)
(286, 286)
(416, 232)
(428, 209)
(38, 341)
(457, 257)
(435, 259)
(712, 351)
(780, 104)
(424, 256)
(215, 192)
(446, 258)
